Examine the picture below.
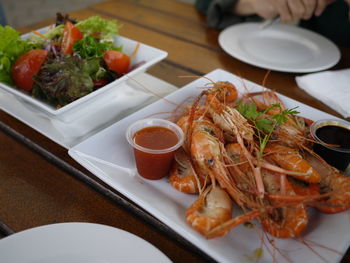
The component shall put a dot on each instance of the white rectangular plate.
(108, 110)
(146, 55)
(109, 157)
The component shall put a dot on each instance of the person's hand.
(288, 10)
(321, 5)
(293, 10)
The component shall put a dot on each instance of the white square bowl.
(146, 55)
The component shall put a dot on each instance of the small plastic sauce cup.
(154, 162)
(330, 132)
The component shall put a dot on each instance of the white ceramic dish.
(106, 110)
(77, 243)
(108, 155)
(280, 47)
(146, 54)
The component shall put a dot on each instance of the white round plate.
(280, 47)
(77, 243)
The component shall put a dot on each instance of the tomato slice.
(100, 82)
(117, 61)
(70, 34)
(26, 66)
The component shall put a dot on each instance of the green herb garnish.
(91, 47)
(264, 125)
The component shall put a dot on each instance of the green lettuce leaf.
(53, 33)
(91, 47)
(96, 25)
(11, 47)
(63, 79)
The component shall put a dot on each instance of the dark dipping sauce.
(337, 152)
(335, 135)
(154, 166)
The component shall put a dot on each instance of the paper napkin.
(330, 87)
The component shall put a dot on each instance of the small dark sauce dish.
(330, 132)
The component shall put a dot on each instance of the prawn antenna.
(150, 91)
(197, 77)
(265, 77)
(135, 51)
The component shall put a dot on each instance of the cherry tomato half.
(26, 66)
(117, 61)
(70, 34)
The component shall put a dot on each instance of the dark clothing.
(333, 23)
(219, 13)
(2, 16)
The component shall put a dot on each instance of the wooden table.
(41, 184)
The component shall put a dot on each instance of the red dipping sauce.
(154, 165)
(154, 146)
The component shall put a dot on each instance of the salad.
(70, 60)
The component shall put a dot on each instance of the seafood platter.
(246, 185)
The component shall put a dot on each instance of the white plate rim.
(35, 243)
(43, 123)
(236, 33)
